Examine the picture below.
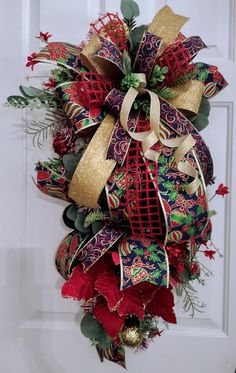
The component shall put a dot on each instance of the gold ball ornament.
(131, 336)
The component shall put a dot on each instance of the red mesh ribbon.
(143, 203)
(113, 28)
(93, 89)
(178, 60)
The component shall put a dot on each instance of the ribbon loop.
(149, 138)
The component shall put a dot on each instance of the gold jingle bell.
(131, 336)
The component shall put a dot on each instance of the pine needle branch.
(41, 130)
(184, 78)
(165, 92)
(191, 302)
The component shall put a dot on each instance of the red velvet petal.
(132, 303)
(104, 264)
(162, 305)
(79, 286)
(107, 285)
(147, 291)
(111, 321)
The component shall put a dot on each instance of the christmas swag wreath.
(125, 109)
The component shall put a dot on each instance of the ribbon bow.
(150, 138)
(103, 57)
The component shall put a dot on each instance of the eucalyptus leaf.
(72, 212)
(200, 121)
(104, 340)
(129, 9)
(135, 37)
(90, 327)
(70, 161)
(205, 107)
(79, 223)
(18, 102)
(96, 227)
(31, 91)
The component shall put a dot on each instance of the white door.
(39, 331)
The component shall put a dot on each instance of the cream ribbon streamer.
(148, 138)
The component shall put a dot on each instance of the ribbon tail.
(94, 169)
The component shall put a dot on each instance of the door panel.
(40, 329)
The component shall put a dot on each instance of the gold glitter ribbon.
(96, 64)
(94, 169)
(167, 25)
(148, 138)
(188, 96)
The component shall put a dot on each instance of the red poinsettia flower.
(209, 254)
(31, 60)
(44, 36)
(57, 50)
(112, 304)
(222, 190)
(51, 84)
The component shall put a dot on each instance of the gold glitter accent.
(94, 169)
(88, 57)
(166, 24)
(131, 336)
(95, 63)
(188, 96)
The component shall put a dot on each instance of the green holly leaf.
(138, 251)
(152, 248)
(169, 185)
(189, 219)
(155, 258)
(156, 274)
(129, 9)
(199, 210)
(162, 170)
(173, 195)
(191, 231)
